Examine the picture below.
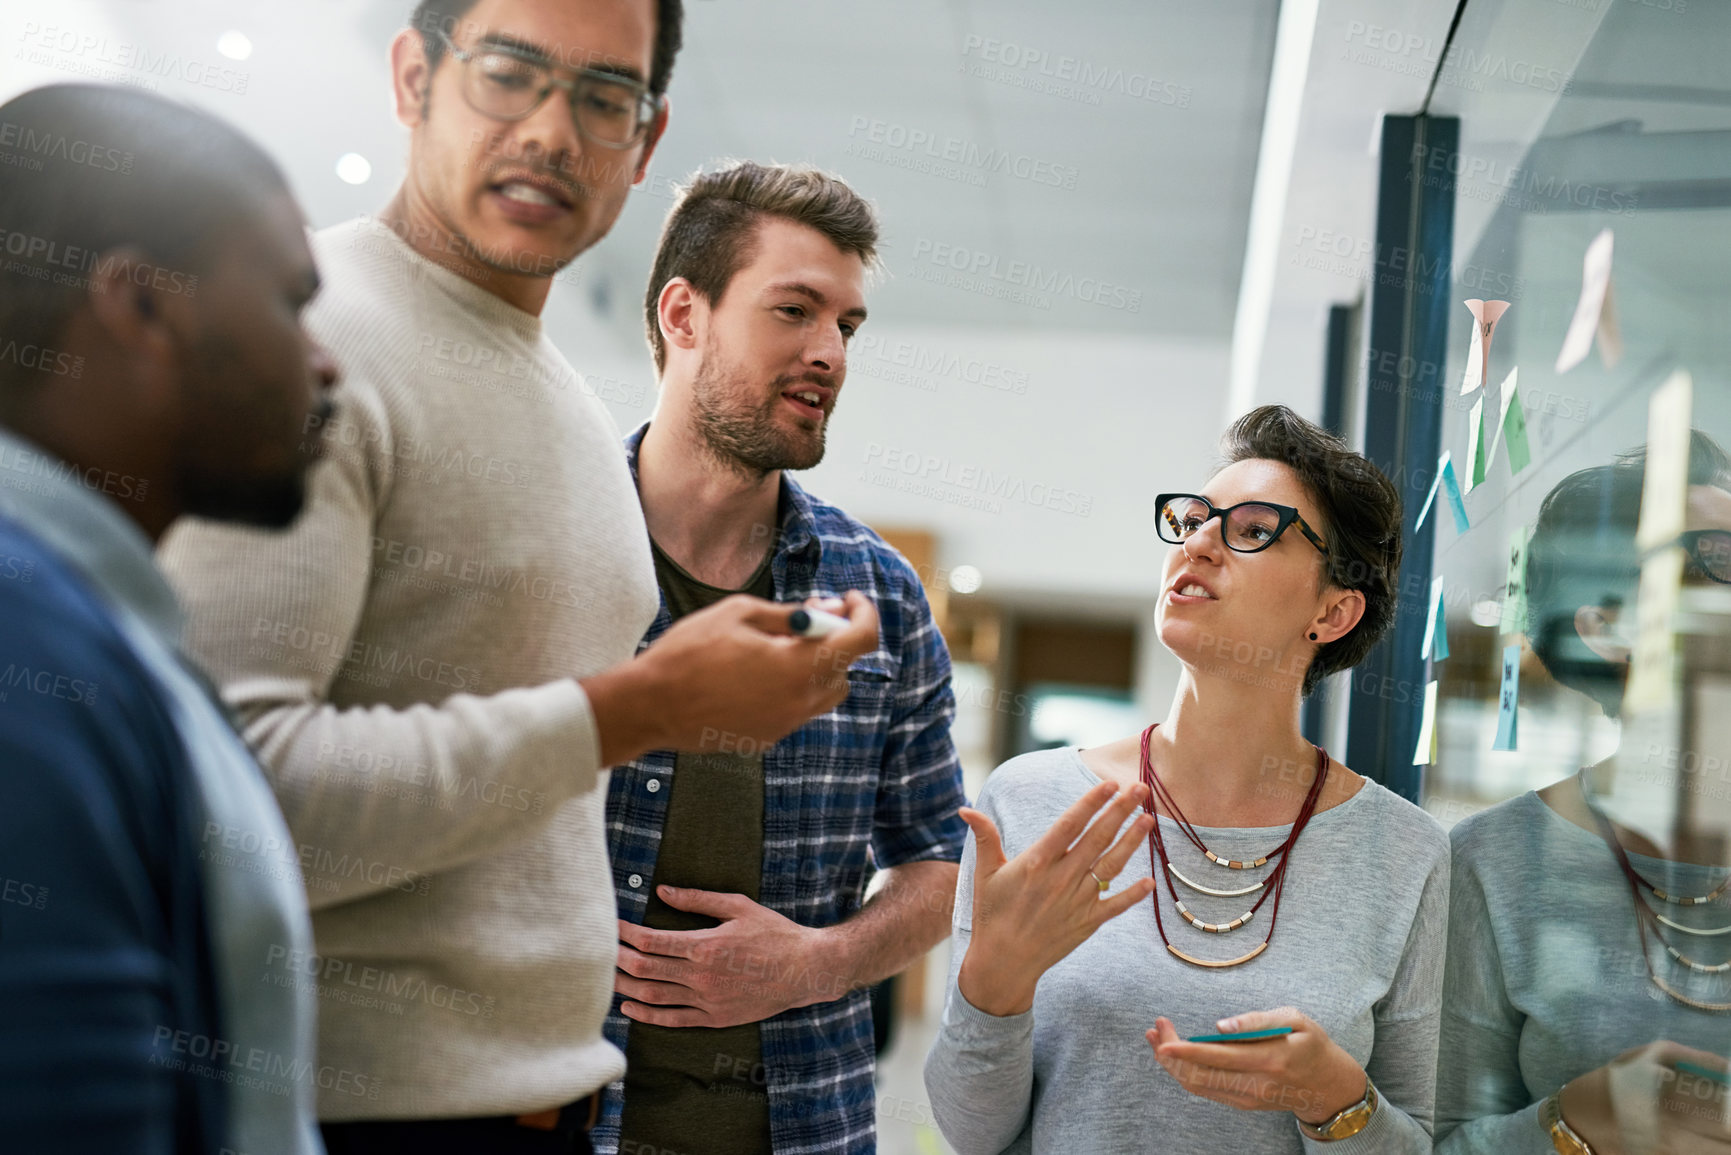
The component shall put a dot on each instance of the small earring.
(1313, 635)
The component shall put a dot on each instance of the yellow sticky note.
(1426, 751)
(1653, 667)
(1665, 484)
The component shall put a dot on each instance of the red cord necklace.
(1274, 884)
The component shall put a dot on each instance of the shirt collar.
(798, 521)
(42, 493)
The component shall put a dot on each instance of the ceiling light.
(354, 168)
(234, 45)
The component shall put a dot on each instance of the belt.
(587, 1109)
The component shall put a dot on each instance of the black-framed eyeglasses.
(1710, 550)
(510, 84)
(1248, 527)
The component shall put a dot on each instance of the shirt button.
(635, 881)
(653, 786)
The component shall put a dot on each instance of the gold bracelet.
(1563, 1136)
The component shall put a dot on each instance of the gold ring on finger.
(1103, 883)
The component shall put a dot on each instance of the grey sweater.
(1545, 978)
(1359, 948)
(404, 660)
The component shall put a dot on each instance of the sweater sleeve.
(980, 1070)
(274, 616)
(1483, 1105)
(95, 874)
(1403, 1059)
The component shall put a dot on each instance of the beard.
(742, 433)
(260, 502)
(222, 483)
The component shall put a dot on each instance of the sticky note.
(1486, 314)
(1515, 585)
(1513, 428)
(1476, 445)
(1436, 641)
(1426, 751)
(1508, 718)
(1664, 509)
(1610, 335)
(1589, 319)
(1452, 488)
(1665, 482)
(1430, 497)
(1506, 392)
(1445, 477)
(1653, 666)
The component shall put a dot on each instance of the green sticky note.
(1515, 433)
(1515, 585)
(1476, 446)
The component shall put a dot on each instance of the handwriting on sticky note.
(1486, 314)
(1508, 699)
(1514, 618)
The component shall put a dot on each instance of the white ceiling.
(1160, 194)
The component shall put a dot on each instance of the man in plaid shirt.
(745, 951)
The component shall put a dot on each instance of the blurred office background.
(1111, 226)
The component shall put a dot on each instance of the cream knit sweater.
(404, 662)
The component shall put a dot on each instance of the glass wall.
(1634, 141)
(1582, 614)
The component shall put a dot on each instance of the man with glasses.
(434, 664)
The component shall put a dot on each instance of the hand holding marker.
(815, 623)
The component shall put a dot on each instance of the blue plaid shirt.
(872, 784)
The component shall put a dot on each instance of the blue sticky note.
(1456, 505)
(1439, 611)
(1430, 498)
(1508, 720)
(1436, 641)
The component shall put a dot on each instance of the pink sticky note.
(1589, 319)
(1486, 314)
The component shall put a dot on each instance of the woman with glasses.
(1587, 999)
(1261, 890)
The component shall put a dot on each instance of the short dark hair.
(1583, 553)
(1361, 520)
(116, 167)
(431, 17)
(708, 235)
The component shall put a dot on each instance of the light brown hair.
(709, 234)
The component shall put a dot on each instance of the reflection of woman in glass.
(1588, 985)
(1277, 889)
